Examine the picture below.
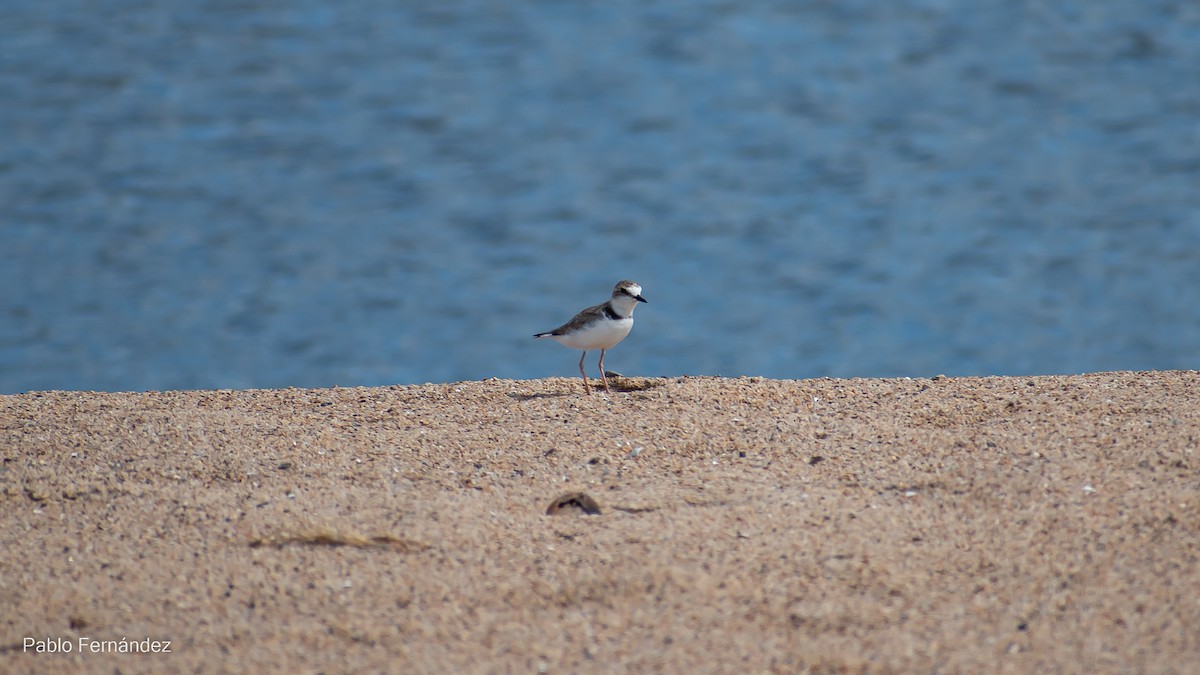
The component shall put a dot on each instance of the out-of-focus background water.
(264, 194)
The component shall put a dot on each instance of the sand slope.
(977, 524)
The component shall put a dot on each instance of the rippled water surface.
(245, 194)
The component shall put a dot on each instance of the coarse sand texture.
(1005, 524)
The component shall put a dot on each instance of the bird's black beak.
(641, 299)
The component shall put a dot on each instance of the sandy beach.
(1007, 524)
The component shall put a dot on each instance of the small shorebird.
(600, 327)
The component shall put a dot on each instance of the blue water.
(243, 194)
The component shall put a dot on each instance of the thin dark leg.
(586, 389)
(602, 375)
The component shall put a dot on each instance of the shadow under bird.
(600, 327)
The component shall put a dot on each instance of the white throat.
(623, 305)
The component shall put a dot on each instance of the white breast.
(602, 334)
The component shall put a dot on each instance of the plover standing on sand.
(600, 327)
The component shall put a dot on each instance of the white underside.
(598, 335)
